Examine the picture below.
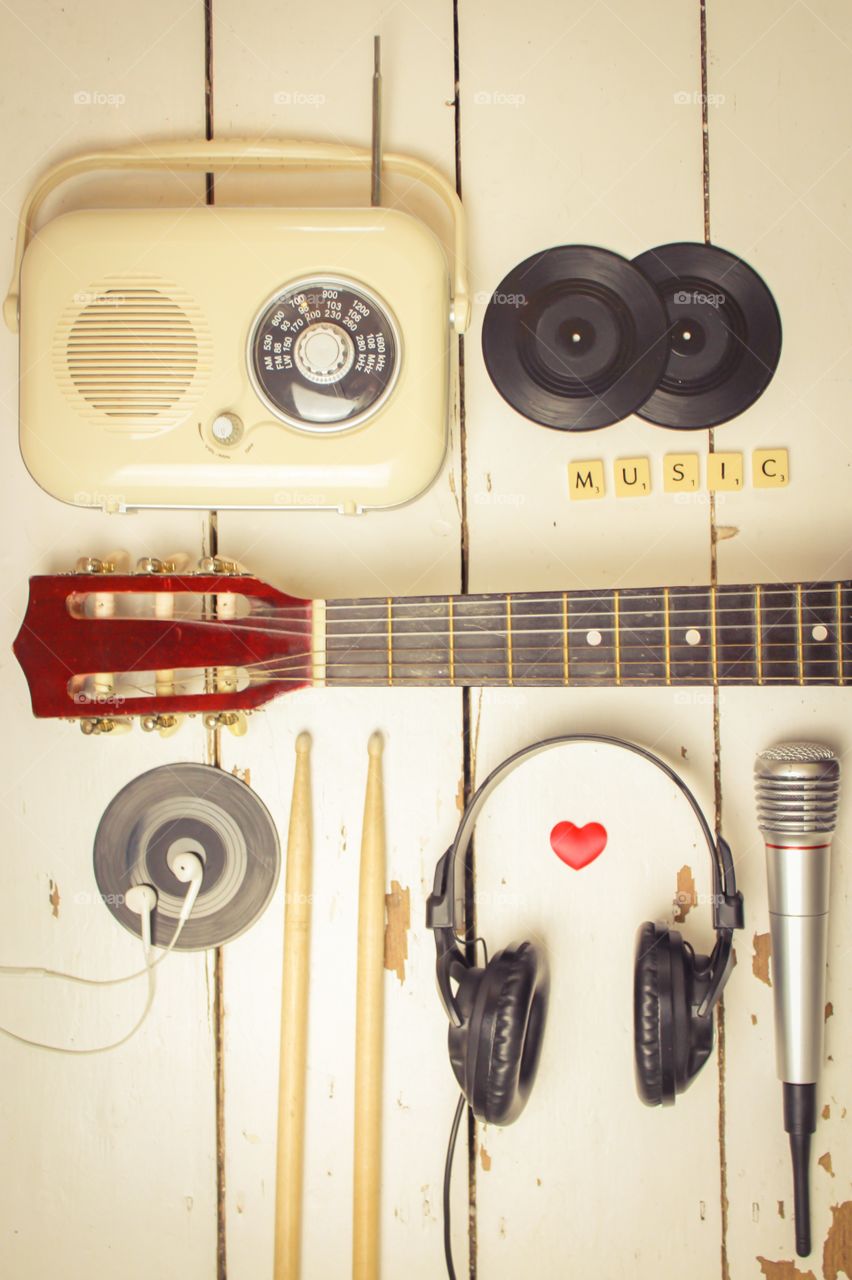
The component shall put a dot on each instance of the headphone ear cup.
(651, 988)
(505, 1033)
(671, 1041)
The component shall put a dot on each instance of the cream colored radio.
(236, 357)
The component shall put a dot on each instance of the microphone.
(797, 786)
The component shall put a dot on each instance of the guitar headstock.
(102, 645)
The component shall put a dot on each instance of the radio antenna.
(376, 166)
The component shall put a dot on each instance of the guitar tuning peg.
(166, 725)
(89, 564)
(150, 564)
(218, 565)
(178, 562)
(236, 722)
(105, 724)
(117, 561)
(113, 562)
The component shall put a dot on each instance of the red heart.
(578, 846)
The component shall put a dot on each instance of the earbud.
(142, 899)
(189, 869)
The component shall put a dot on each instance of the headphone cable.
(448, 1169)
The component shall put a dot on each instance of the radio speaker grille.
(134, 352)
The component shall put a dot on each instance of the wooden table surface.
(568, 123)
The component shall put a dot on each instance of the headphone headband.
(441, 906)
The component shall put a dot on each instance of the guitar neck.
(780, 634)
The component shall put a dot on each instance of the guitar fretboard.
(790, 634)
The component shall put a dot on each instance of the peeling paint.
(754, 1019)
(781, 1211)
(783, 1271)
(253, 1138)
(837, 1250)
(243, 774)
(686, 896)
(755, 1211)
(398, 907)
(702, 1210)
(826, 1112)
(825, 1163)
(829, 1010)
(460, 795)
(485, 1159)
(502, 1228)
(725, 531)
(343, 839)
(54, 899)
(488, 482)
(761, 958)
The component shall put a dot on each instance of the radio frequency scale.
(236, 357)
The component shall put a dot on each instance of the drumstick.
(369, 1027)
(294, 1023)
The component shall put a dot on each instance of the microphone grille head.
(798, 752)
(797, 786)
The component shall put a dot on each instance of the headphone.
(497, 1012)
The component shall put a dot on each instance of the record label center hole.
(593, 637)
(820, 632)
(693, 636)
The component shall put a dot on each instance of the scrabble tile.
(586, 479)
(724, 471)
(632, 477)
(770, 468)
(681, 472)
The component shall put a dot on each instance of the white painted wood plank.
(576, 1163)
(573, 133)
(421, 770)
(584, 127)
(276, 76)
(96, 1141)
(758, 1162)
(779, 188)
(780, 174)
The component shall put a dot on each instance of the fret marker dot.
(693, 636)
(820, 632)
(593, 637)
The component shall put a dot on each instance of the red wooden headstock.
(99, 644)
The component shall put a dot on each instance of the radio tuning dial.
(324, 353)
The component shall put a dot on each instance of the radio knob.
(324, 353)
(226, 429)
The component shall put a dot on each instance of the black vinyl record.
(724, 335)
(575, 338)
(188, 808)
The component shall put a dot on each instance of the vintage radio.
(236, 357)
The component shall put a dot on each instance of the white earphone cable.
(150, 966)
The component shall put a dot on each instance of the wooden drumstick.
(294, 1023)
(369, 1027)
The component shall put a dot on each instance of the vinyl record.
(725, 335)
(181, 808)
(575, 338)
